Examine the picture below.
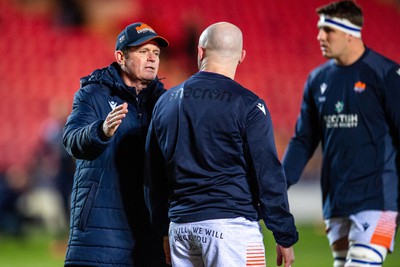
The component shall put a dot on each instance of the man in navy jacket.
(106, 134)
(213, 167)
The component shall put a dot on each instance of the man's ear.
(201, 52)
(351, 38)
(119, 57)
(243, 55)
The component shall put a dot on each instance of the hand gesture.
(114, 119)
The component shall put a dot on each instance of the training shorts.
(220, 242)
(371, 227)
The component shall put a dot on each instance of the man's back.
(205, 148)
(212, 163)
(217, 145)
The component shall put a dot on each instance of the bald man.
(212, 165)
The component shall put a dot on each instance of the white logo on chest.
(113, 104)
(323, 88)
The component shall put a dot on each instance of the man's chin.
(149, 77)
(147, 80)
(326, 55)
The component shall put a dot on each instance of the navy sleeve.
(82, 136)
(305, 140)
(268, 175)
(392, 102)
(392, 109)
(156, 190)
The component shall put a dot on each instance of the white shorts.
(220, 242)
(371, 226)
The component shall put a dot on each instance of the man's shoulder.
(324, 67)
(378, 62)
(104, 76)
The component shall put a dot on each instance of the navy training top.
(214, 141)
(355, 112)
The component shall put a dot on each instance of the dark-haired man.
(351, 105)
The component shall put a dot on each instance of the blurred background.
(47, 45)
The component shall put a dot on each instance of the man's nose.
(321, 35)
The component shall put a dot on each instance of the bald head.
(223, 38)
(221, 45)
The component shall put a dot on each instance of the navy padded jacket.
(109, 221)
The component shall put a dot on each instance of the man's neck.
(139, 85)
(226, 70)
(353, 54)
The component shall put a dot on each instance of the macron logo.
(262, 108)
(323, 88)
(113, 104)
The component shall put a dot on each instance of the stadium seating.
(42, 61)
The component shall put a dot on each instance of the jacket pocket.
(87, 207)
